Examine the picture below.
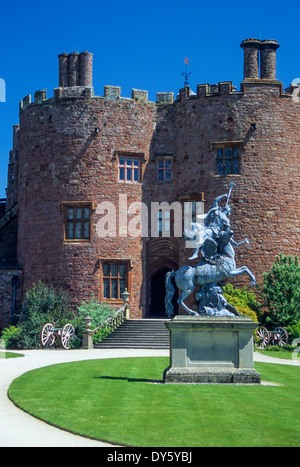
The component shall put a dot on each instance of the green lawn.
(10, 355)
(123, 401)
(279, 354)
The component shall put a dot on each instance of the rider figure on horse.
(215, 221)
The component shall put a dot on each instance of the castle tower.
(80, 164)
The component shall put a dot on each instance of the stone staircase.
(138, 334)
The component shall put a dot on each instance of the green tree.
(281, 291)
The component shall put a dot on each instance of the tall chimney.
(63, 70)
(86, 69)
(268, 59)
(74, 69)
(251, 58)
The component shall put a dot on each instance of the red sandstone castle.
(83, 166)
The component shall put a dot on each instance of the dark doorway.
(157, 295)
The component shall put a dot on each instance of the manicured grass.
(279, 354)
(10, 355)
(123, 401)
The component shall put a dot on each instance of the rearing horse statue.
(188, 277)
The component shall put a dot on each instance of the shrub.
(278, 348)
(11, 336)
(281, 292)
(99, 312)
(42, 304)
(245, 302)
(101, 334)
(293, 331)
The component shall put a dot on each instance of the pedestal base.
(211, 350)
(211, 376)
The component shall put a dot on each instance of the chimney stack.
(63, 70)
(86, 69)
(251, 58)
(266, 50)
(268, 59)
(75, 69)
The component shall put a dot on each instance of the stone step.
(138, 333)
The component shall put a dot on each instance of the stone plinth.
(211, 350)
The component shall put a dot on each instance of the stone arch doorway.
(162, 255)
(157, 292)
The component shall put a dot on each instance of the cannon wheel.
(282, 336)
(68, 333)
(47, 335)
(263, 335)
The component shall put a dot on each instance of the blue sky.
(136, 45)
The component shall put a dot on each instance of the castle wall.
(265, 198)
(63, 159)
(67, 150)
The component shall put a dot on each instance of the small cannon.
(50, 333)
(277, 337)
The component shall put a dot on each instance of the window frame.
(164, 169)
(65, 206)
(125, 167)
(113, 261)
(225, 147)
(227, 160)
(163, 223)
(164, 157)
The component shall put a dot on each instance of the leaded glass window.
(114, 279)
(77, 224)
(163, 169)
(228, 160)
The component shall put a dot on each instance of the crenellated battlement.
(209, 90)
(76, 69)
(113, 93)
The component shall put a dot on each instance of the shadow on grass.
(130, 380)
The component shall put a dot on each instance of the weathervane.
(185, 73)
